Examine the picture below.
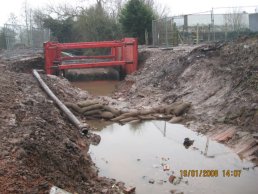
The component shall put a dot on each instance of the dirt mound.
(39, 147)
(221, 81)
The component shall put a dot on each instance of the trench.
(150, 154)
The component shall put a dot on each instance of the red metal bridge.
(123, 53)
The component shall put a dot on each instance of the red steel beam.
(92, 65)
(82, 45)
(87, 57)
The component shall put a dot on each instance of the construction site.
(177, 116)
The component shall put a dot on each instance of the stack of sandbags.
(172, 112)
(96, 110)
(93, 109)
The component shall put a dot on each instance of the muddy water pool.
(98, 88)
(137, 155)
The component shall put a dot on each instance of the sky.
(175, 7)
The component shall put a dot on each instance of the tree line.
(103, 20)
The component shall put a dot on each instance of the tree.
(95, 24)
(2, 39)
(61, 29)
(136, 19)
(234, 21)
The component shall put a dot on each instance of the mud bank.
(39, 147)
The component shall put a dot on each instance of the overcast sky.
(176, 7)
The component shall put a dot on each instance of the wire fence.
(18, 36)
(203, 27)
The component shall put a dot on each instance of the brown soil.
(39, 148)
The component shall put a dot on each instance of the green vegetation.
(2, 39)
(98, 22)
(136, 19)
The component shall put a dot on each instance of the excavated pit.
(40, 148)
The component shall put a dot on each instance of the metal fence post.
(166, 31)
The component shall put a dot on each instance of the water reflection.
(137, 154)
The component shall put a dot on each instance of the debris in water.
(171, 178)
(173, 191)
(210, 156)
(164, 159)
(187, 142)
(160, 182)
(166, 167)
(129, 190)
(245, 168)
(151, 181)
(195, 148)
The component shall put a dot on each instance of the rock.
(151, 181)
(129, 190)
(173, 191)
(56, 190)
(171, 178)
(176, 120)
(104, 191)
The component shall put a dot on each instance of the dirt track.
(40, 148)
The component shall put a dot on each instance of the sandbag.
(128, 119)
(87, 103)
(112, 110)
(73, 106)
(147, 111)
(134, 121)
(169, 110)
(92, 112)
(91, 107)
(146, 117)
(160, 109)
(125, 115)
(176, 120)
(106, 115)
(118, 118)
(180, 109)
(161, 116)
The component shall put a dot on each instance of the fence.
(18, 36)
(201, 27)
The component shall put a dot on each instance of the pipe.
(82, 127)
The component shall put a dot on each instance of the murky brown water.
(98, 88)
(135, 154)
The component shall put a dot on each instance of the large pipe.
(82, 127)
